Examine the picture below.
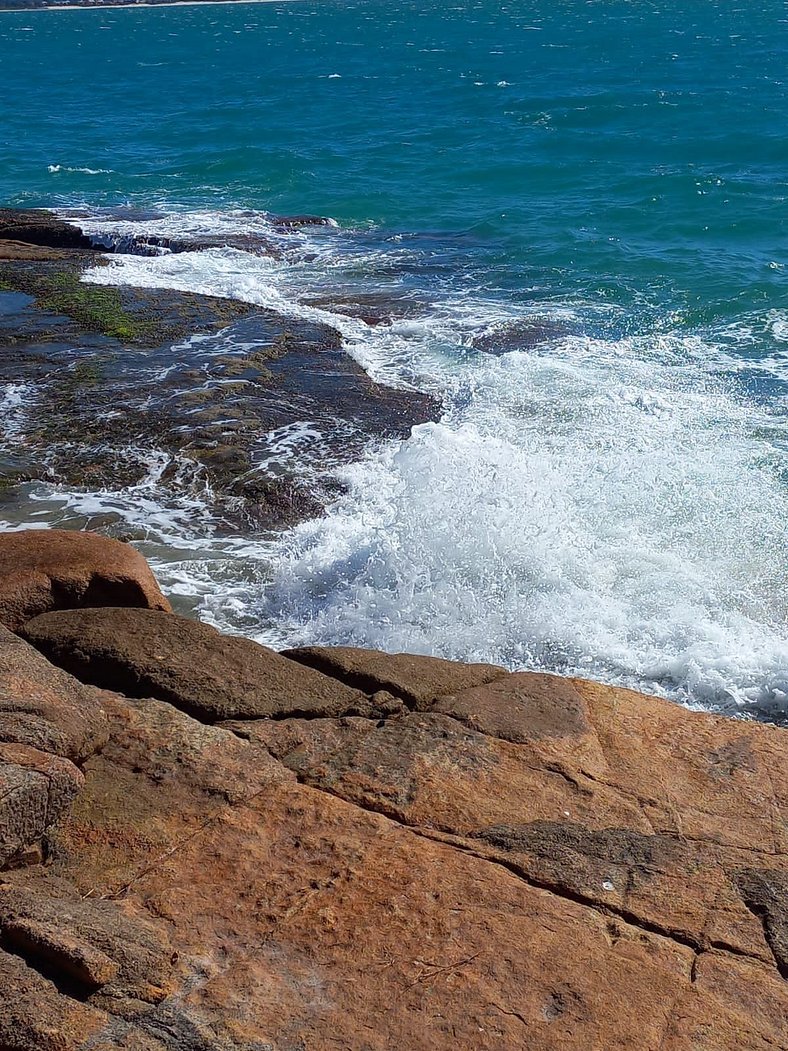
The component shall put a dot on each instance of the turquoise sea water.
(585, 205)
(635, 149)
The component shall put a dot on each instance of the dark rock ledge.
(114, 381)
(209, 846)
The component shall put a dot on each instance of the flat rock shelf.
(117, 379)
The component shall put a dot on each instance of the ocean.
(578, 209)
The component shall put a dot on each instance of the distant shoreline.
(101, 5)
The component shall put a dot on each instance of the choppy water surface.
(575, 214)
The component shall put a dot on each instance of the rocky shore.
(206, 845)
(116, 380)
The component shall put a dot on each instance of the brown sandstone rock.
(563, 808)
(34, 1016)
(39, 227)
(47, 719)
(142, 653)
(74, 959)
(89, 946)
(19, 250)
(319, 924)
(47, 569)
(45, 708)
(520, 707)
(465, 890)
(301, 743)
(35, 790)
(415, 678)
(765, 892)
(531, 862)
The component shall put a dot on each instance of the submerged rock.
(250, 411)
(152, 245)
(526, 335)
(293, 221)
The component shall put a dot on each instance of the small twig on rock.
(437, 970)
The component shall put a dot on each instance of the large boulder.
(142, 653)
(46, 569)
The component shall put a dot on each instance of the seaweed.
(96, 308)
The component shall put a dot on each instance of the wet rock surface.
(37, 227)
(407, 862)
(115, 387)
(520, 336)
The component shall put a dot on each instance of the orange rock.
(48, 722)
(35, 790)
(143, 653)
(45, 708)
(20, 250)
(34, 1016)
(47, 569)
(527, 862)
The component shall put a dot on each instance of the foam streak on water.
(607, 505)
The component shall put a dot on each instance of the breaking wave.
(591, 501)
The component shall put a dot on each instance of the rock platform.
(209, 846)
(246, 410)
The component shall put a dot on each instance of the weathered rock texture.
(38, 227)
(431, 856)
(414, 678)
(50, 569)
(48, 723)
(143, 653)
